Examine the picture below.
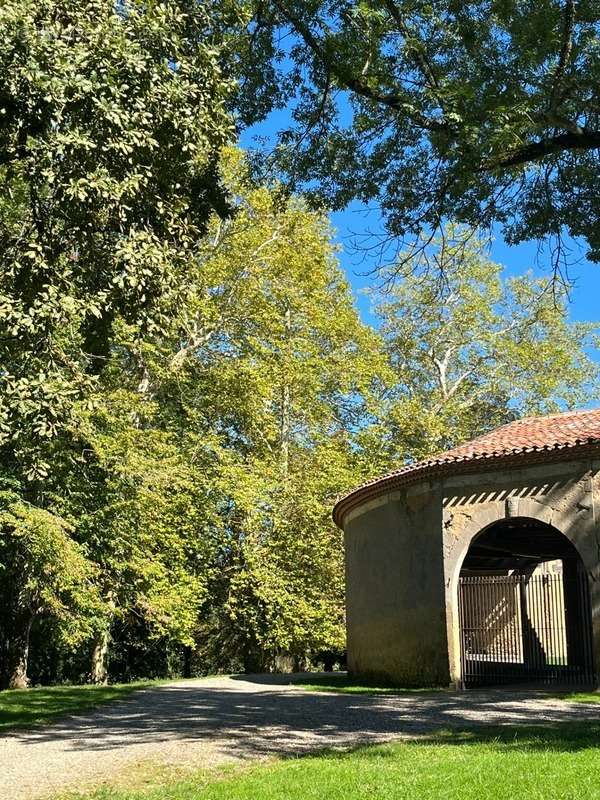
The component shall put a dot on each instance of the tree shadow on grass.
(341, 682)
(26, 707)
(563, 737)
(547, 738)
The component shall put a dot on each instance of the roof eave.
(425, 470)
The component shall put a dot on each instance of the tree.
(112, 118)
(199, 481)
(478, 112)
(277, 599)
(471, 350)
(270, 372)
(43, 572)
(142, 524)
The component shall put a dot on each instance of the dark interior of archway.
(516, 544)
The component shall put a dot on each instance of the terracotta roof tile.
(530, 435)
(557, 430)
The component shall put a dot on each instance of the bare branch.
(586, 140)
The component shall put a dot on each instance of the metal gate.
(526, 628)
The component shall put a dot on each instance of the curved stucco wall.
(404, 550)
(395, 605)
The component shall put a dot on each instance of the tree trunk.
(99, 666)
(187, 661)
(18, 657)
(99, 671)
(285, 423)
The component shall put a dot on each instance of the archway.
(524, 608)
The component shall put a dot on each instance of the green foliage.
(112, 117)
(145, 531)
(112, 121)
(478, 112)
(47, 567)
(261, 382)
(43, 571)
(471, 350)
(199, 479)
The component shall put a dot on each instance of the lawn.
(346, 685)
(582, 697)
(537, 763)
(22, 708)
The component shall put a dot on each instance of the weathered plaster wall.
(563, 494)
(396, 622)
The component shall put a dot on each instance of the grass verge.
(582, 697)
(510, 763)
(347, 685)
(22, 708)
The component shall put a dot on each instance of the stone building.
(481, 565)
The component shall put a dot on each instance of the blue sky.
(516, 259)
(356, 222)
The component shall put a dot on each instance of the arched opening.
(524, 608)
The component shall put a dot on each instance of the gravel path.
(212, 721)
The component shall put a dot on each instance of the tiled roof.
(557, 430)
(525, 439)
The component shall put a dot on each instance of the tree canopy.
(481, 113)
(471, 349)
(112, 117)
(289, 373)
(198, 477)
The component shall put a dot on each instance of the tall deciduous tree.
(480, 112)
(264, 378)
(472, 349)
(142, 517)
(199, 482)
(112, 117)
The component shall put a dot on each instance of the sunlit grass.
(26, 707)
(509, 763)
(344, 684)
(583, 697)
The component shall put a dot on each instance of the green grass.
(347, 685)
(536, 763)
(582, 697)
(22, 708)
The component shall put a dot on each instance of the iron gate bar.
(586, 622)
(526, 628)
